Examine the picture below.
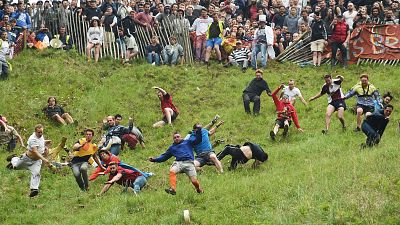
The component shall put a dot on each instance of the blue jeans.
(373, 137)
(343, 51)
(256, 49)
(153, 58)
(139, 184)
(170, 58)
(114, 149)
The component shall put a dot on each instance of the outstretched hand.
(151, 159)
(300, 130)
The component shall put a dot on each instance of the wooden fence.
(77, 28)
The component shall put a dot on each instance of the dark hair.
(204, 9)
(147, 3)
(48, 100)
(388, 94)
(327, 76)
(118, 115)
(389, 106)
(89, 130)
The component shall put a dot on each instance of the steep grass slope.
(309, 178)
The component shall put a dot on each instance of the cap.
(95, 18)
(262, 18)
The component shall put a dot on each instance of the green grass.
(309, 178)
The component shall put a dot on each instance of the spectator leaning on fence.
(94, 38)
(173, 53)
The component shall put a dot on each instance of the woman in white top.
(94, 38)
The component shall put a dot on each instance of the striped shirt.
(240, 55)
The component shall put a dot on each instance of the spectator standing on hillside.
(183, 152)
(285, 112)
(263, 40)
(169, 111)
(336, 101)
(253, 92)
(350, 15)
(144, 18)
(366, 94)
(3, 61)
(339, 39)
(293, 92)
(92, 11)
(56, 112)
(200, 26)
(242, 154)
(374, 125)
(84, 149)
(319, 38)
(9, 136)
(22, 17)
(32, 159)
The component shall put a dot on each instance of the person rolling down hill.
(374, 125)
(286, 113)
(183, 151)
(243, 154)
(170, 112)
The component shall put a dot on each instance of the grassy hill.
(309, 178)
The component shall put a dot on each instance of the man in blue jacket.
(22, 17)
(184, 162)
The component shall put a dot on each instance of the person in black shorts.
(333, 89)
(243, 154)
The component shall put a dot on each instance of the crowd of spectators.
(266, 26)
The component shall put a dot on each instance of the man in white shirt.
(350, 14)
(293, 93)
(32, 159)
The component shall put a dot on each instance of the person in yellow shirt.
(84, 149)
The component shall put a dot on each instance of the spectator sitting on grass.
(65, 38)
(239, 57)
(153, 51)
(173, 53)
(169, 111)
(56, 112)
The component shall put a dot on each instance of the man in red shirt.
(340, 37)
(168, 109)
(106, 158)
(124, 177)
(286, 113)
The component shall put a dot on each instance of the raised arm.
(160, 89)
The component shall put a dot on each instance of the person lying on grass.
(129, 178)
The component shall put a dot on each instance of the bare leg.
(208, 54)
(88, 48)
(58, 118)
(319, 58)
(341, 116)
(67, 118)
(217, 52)
(329, 110)
(196, 184)
(168, 115)
(159, 124)
(359, 117)
(97, 52)
(216, 162)
(314, 58)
